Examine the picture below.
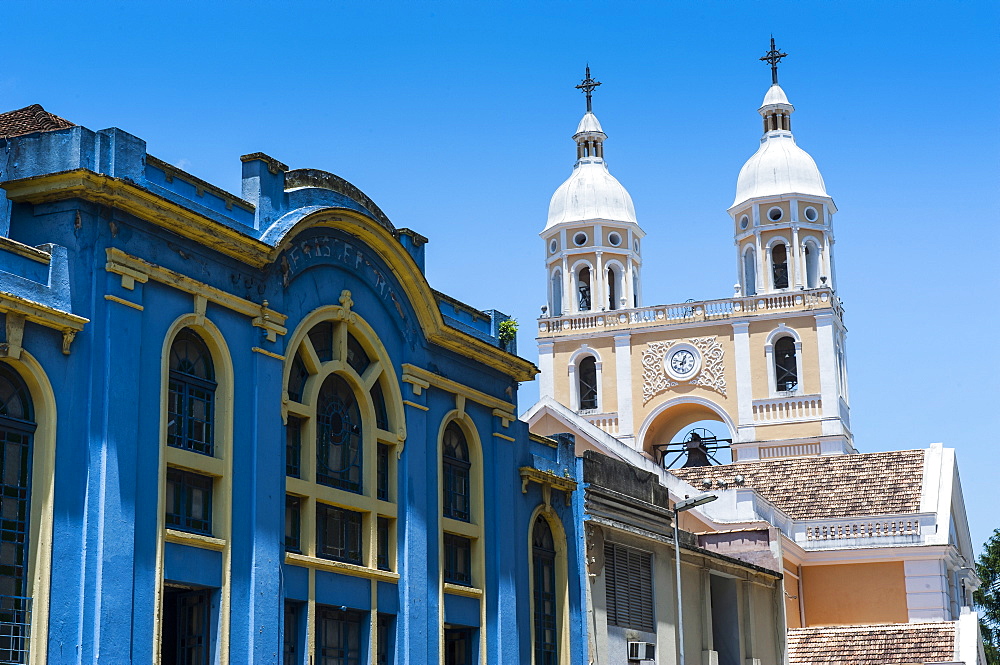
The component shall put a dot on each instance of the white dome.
(590, 193)
(589, 123)
(779, 167)
(775, 95)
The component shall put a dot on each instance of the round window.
(553, 246)
(811, 214)
(774, 214)
(744, 222)
(580, 239)
(614, 239)
(635, 246)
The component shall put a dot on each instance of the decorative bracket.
(548, 481)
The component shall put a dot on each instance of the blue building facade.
(244, 429)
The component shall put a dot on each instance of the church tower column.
(623, 367)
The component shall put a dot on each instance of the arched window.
(779, 266)
(812, 265)
(612, 289)
(191, 404)
(750, 272)
(557, 287)
(635, 287)
(587, 375)
(338, 436)
(543, 563)
(583, 289)
(786, 376)
(455, 470)
(17, 425)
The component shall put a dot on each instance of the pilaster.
(546, 360)
(623, 374)
(744, 382)
(827, 356)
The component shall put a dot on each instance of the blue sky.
(456, 117)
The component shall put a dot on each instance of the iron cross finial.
(773, 57)
(587, 85)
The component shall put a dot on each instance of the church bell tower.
(767, 363)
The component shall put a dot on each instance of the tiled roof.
(827, 486)
(30, 119)
(883, 644)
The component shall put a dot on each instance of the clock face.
(682, 362)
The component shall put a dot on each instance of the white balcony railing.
(873, 531)
(605, 421)
(690, 312)
(787, 409)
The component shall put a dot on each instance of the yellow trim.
(503, 436)
(473, 529)
(546, 479)
(27, 251)
(42, 499)
(194, 540)
(220, 467)
(90, 186)
(415, 405)
(68, 324)
(460, 590)
(422, 377)
(105, 190)
(562, 579)
(276, 356)
(122, 301)
(354, 570)
(381, 371)
(263, 317)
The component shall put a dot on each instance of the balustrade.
(785, 409)
(705, 310)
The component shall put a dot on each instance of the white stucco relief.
(711, 374)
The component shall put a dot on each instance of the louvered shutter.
(628, 577)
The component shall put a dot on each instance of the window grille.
(15, 629)
(291, 635)
(779, 266)
(297, 378)
(193, 622)
(338, 637)
(382, 529)
(16, 429)
(191, 401)
(321, 336)
(189, 501)
(382, 639)
(382, 473)
(293, 518)
(458, 646)
(293, 448)
(378, 401)
(785, 370)
(628, 578)
(587, 371)
(456, 466)
(543, 555)
(457, 560)
(339, 534)
(357, 357)
(338, 436)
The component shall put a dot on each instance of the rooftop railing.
(690, 312)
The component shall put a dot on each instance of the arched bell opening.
(673, 423)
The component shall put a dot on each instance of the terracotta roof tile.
(30, 119)
(828, 486)
(884, 644)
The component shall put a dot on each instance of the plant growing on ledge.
(508, 330)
